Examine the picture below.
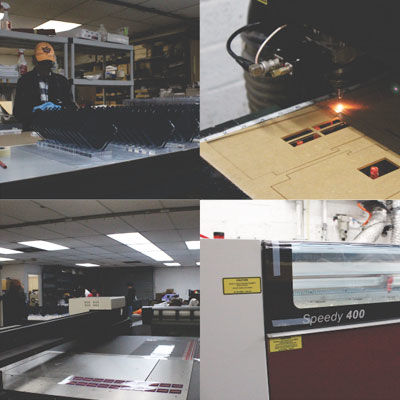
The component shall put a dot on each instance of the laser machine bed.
(89, 356)
(317, 321)
(324, 86)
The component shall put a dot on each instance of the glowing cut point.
(339, 108)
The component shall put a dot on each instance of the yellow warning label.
(241, 285)
(263, 1)
(285, 344)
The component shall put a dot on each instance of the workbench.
(34, 171)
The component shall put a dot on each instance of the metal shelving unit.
(22, 40)
(100, 48)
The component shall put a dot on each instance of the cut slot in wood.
(326, 124)
(334, 128)
(379, 168)
(297, 135)
(305, 139)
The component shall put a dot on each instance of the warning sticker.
(241, 285)
(263, 1)
(285, 344)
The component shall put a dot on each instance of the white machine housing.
(86, 304)
(232, 326)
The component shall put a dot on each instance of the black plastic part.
(364, 25)
(144, 123)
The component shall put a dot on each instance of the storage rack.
(100, 48)
(163, 64)
(22, 40)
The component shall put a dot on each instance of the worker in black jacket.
(15, 308)
(130, 298)
(41, 88)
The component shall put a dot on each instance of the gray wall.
(115, 280)
(223, 94)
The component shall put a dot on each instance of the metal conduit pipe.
(374, 228)
(396, 221)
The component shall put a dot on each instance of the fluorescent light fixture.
(1, 15)
(172, 264)
(58, 26)
(6, 259)
(43, 245)
(198, 263)
(8, 251)
(138, 242)
(193, 244)
(87, 265)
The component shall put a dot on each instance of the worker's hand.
(47, 106)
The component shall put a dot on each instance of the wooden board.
(262, 164)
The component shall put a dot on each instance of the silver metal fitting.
(261, 69)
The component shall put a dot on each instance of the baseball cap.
(44, 51)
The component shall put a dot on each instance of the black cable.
(243, 62)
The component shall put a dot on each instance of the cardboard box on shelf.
(115, 38)
(123, 72)
(87, 34)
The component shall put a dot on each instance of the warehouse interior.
(320, 283)
(164, 38)
(76, 263)
(120, 96)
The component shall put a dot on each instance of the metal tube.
(66, 66)
(374, 228)
(396, 221)
(73, 68)
(132, 92)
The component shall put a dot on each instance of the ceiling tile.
(149, 222)
(35, 232)
(108, 225)
(130, 205)
(189, 234)
(71, 229)
(26, 210)
(185, 219)
(166, 236)
(74, 208)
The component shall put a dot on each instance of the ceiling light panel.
(8, 251)
(6, 259)
(193, 244)
(42, 244)
(138, 242)
(172, 264)
(58, 26)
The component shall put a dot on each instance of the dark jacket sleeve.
(64, 92)
(23, 103)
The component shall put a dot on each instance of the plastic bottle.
(103, 33)
(5, 23)
(22, 65)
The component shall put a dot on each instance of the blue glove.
(47, 106)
